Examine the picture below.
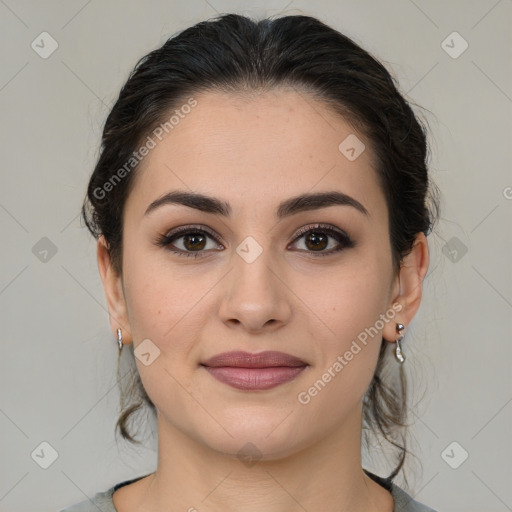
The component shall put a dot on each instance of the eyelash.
(341, 237)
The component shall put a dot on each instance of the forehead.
(254, 150)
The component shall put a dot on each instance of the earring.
(398, 351)
(120, 339)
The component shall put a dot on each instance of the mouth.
(246, 371)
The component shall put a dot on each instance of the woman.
(261, 204)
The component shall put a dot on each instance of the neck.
(324, 475)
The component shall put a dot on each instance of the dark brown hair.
(233, 53)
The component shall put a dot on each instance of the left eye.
(316, 240)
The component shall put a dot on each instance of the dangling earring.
(398, 351)
(120, 339)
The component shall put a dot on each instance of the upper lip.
(259, 360)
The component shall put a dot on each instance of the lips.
(246, 371)
(248, 360)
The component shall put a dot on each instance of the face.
(303, 278)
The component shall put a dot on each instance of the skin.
(254, 151)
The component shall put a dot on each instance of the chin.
(257, 438)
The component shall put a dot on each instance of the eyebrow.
(301, 203)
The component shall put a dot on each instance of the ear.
(114, 292)
(408, 285)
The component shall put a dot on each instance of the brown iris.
(194, 241)
(318, 240)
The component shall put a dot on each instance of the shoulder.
(101, 500)
(405, 503)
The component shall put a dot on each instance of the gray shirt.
(102, 501)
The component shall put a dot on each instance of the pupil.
(318, 240)
(195, 239)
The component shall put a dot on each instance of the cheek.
(350, 312)
(170, 304)
(151, 308)
(155, 298)
(351, 298)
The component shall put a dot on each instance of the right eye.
(193, 240)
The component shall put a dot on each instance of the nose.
(255, 295)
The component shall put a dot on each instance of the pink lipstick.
(246, 371)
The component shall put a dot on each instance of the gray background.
(57, 368)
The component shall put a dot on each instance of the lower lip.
(254, 378)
